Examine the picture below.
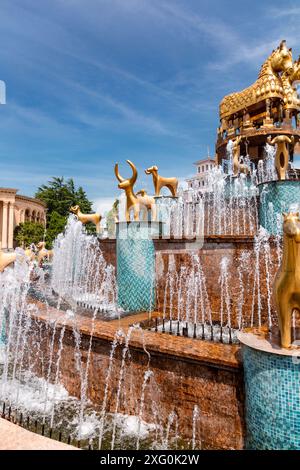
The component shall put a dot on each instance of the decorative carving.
(282, 154)
(286, 289)
(137, 202)
(160, 181)
(86, 218)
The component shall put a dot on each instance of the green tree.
(59, 195)
(28, 232)
(55, 224)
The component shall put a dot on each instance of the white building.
(200, 180)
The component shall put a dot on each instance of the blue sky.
(92, 82)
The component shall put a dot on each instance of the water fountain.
(134, 342)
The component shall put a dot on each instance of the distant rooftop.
(204, 160)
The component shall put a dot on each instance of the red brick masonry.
(186, 373)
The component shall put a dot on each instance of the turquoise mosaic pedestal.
(136, 265)
(272, 385)
(277, 197)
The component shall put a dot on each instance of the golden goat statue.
(9, 258)
(286, 288)
(6, 259)
(236, 165)
(86, 218)
(135, 202)
(282, 153)
(43, 253)
(160, 181)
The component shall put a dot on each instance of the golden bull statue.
(136, 202)
(86, 218)
(286, 289)
(160, 181)
(282, 154)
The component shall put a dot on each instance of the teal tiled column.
(272, 405)
(277, 197)
(136, 266)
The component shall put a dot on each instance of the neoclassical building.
(15, 209)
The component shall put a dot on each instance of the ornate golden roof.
(276, 79)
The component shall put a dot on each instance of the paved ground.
(13, 437)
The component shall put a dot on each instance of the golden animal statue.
(237, 166)
(160, 181)
(136, 202)
(30, 254)
(282, 153)
(268, 84)
(289, 79)
(43, 253)
(286, 288)
(6, 259)
(86, 218)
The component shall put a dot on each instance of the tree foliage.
(29, 232)
(59, 195)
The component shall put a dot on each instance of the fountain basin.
(272, 377)
(185, 373)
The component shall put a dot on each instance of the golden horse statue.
(86, 218)
(286, 288)
(282, 153)
(267, 86)
(236, 165)
(289, 79)
(136, 202)
(160, 181)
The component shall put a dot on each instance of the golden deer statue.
(135, 202)
(282, 153)
(236, 165)
(86, 218)
(160, 181)
(6, 259)
(286, 288)
(43, 253)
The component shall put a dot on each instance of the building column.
(11, 226)
(4, 226)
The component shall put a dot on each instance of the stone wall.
(183, 373)
(251, 267)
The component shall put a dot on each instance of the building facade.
(200, 179)
(15, 209)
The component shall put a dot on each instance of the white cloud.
(103, 205)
